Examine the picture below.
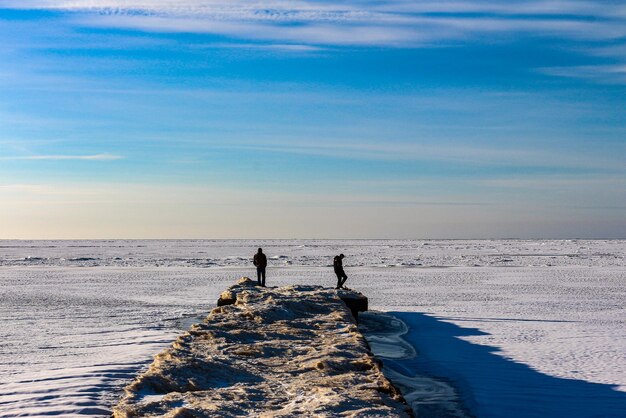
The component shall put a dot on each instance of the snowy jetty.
(271, 352)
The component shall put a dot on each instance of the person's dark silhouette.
(260, 261)
(338, 266)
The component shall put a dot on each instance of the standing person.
(260, 261)
(338, 266)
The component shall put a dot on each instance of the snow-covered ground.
(526, 328)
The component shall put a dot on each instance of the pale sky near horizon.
(312, 119)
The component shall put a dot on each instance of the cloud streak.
(285, 26)
(57, 157)
(599, 73)
(385, 23)
(453, 153)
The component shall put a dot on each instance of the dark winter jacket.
(338, 264)
(260, 260)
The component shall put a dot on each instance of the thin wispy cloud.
(476, 155)
(408, 115)
(284, 26)
(46, 190)
(390, 23)
(556, 182)
(92, 157)
(599, 73)
(263, 47)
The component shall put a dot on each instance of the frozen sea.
(517, 328)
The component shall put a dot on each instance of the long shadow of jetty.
(493, 386)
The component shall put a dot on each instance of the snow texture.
(525, 326)
(280, 352)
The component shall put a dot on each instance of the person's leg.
(338, 280)
(344, 278)
(263, 276)
(258, 275)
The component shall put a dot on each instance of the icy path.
(276, 352)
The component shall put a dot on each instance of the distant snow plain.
(519, 327)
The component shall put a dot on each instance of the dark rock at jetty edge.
(271, 352)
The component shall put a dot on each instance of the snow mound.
(274, 352)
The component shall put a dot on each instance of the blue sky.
(280, 119)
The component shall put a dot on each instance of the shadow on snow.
(493, 386)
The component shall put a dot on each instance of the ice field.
(518, 328)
